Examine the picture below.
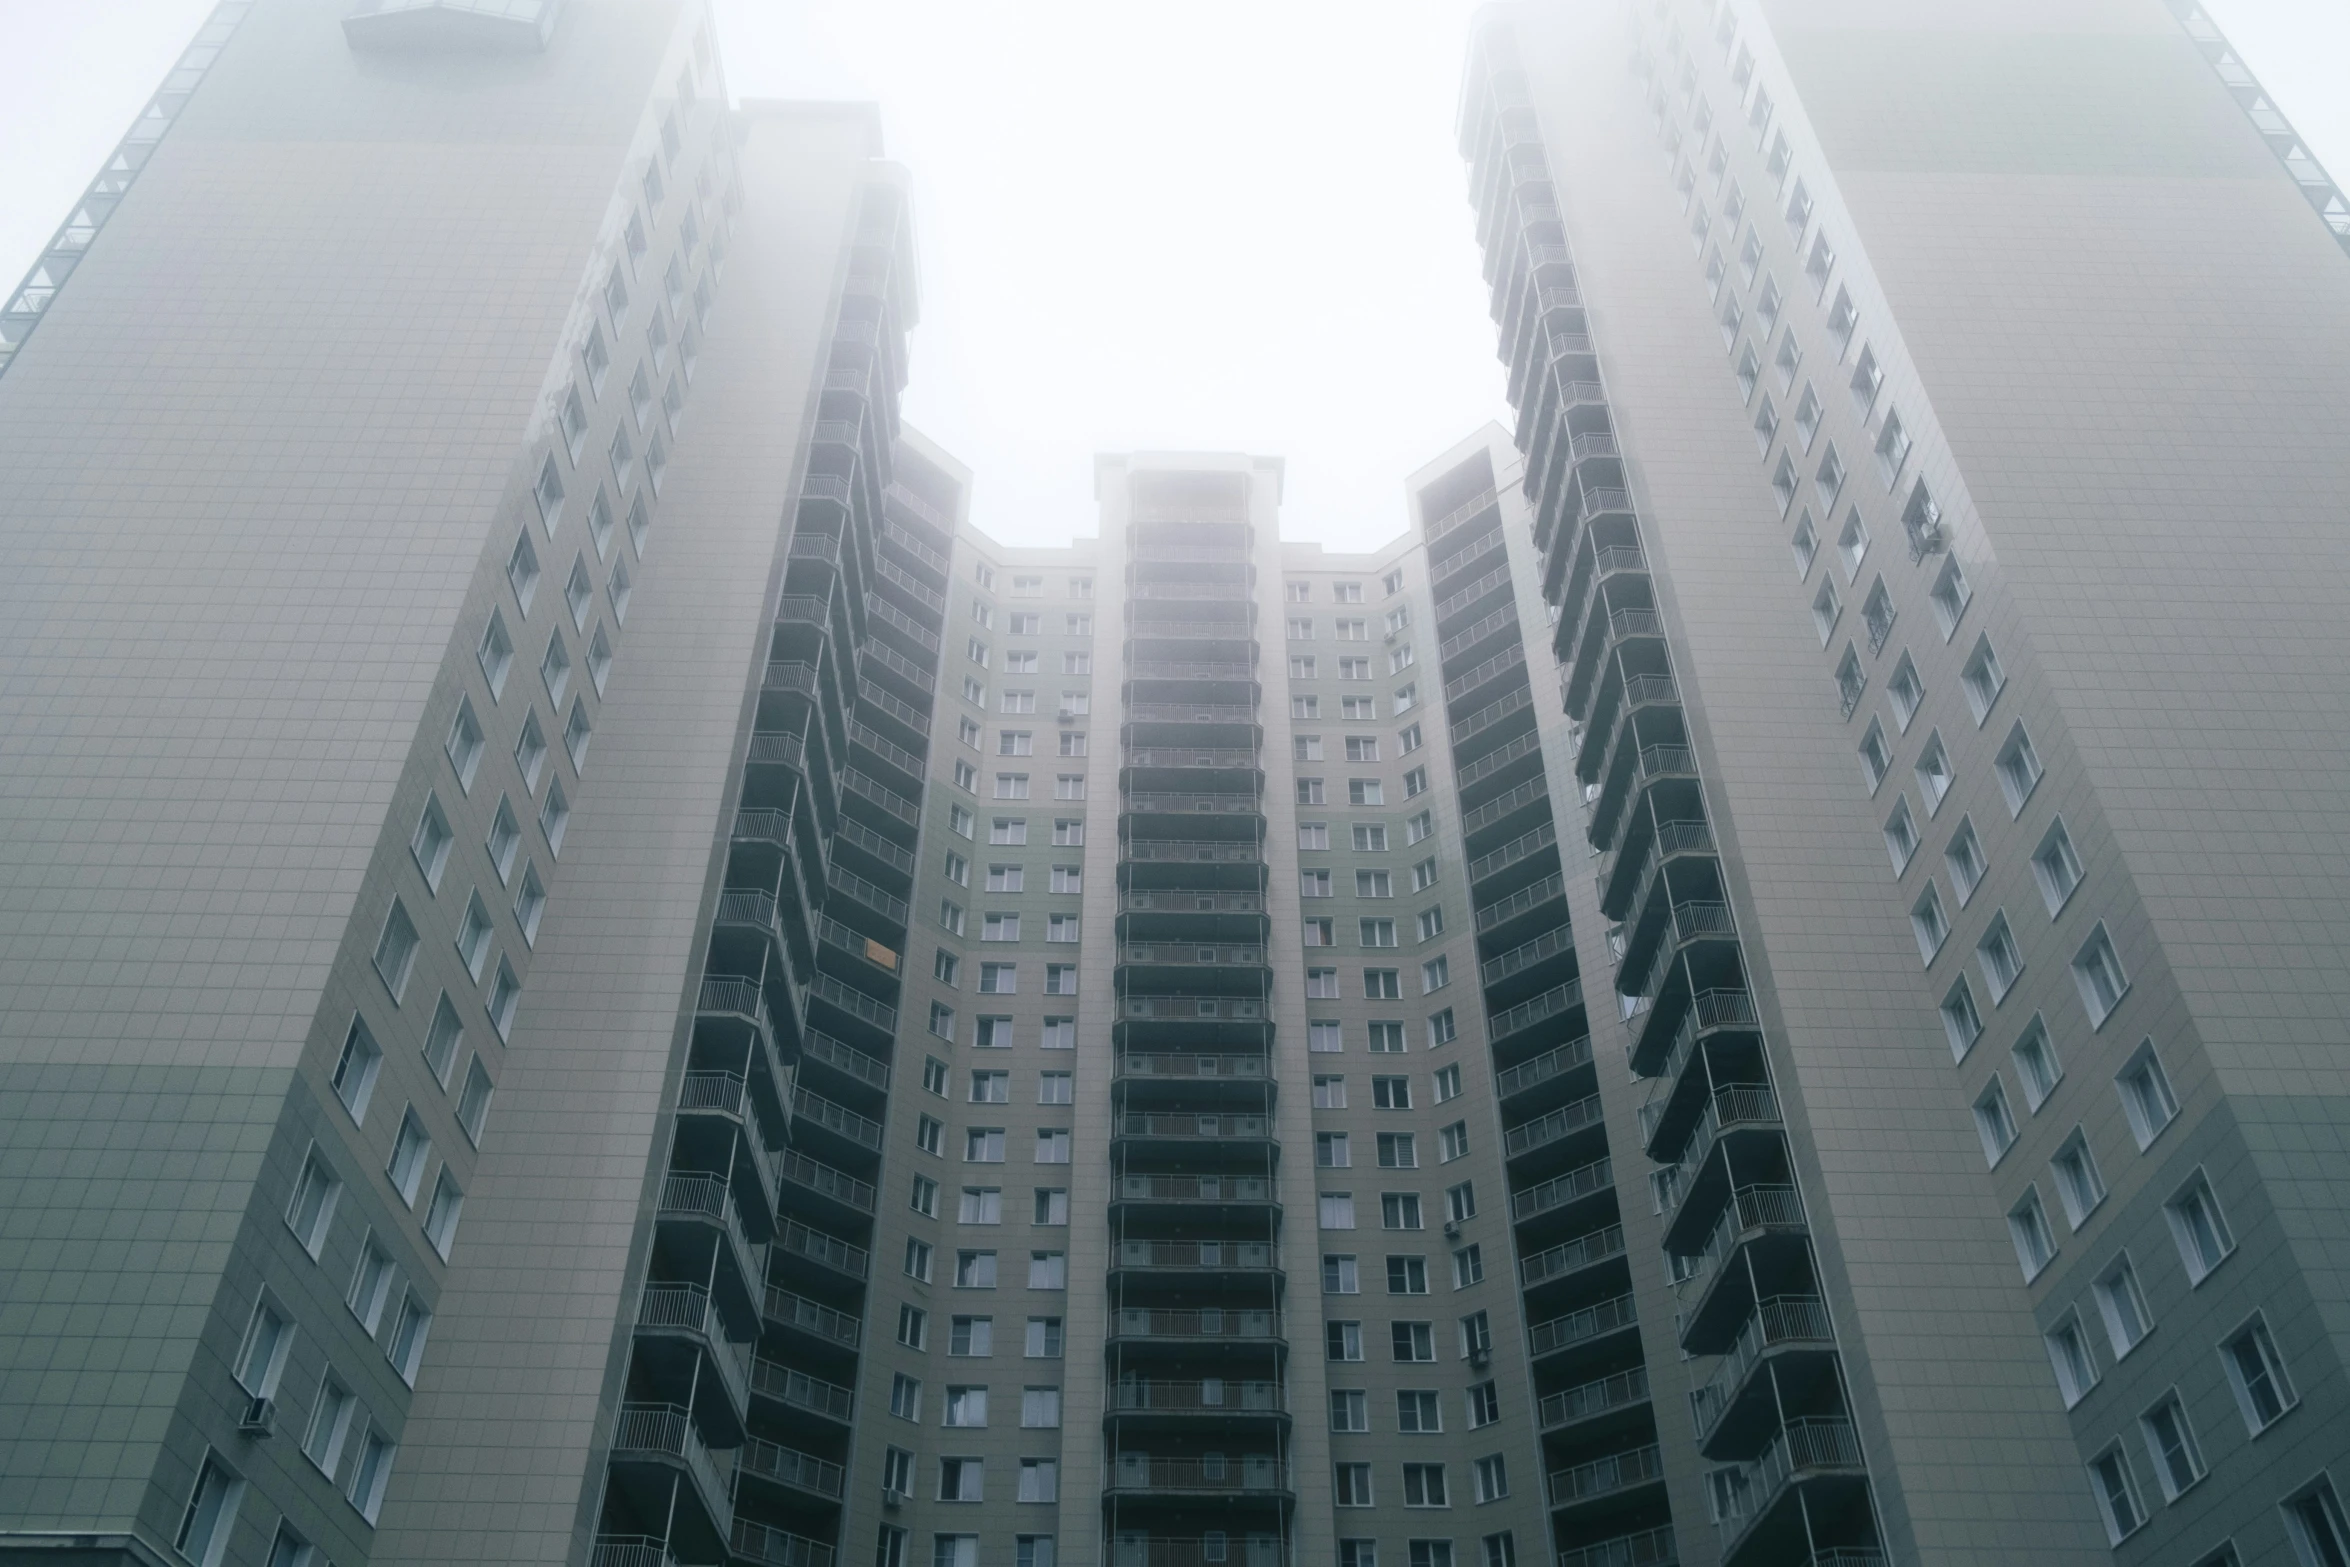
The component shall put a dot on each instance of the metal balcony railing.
(1453, 603)
(1189, 1064)
(1499, 664)
(1191, 713)
(1461, 560)
(1189, 669)
(1542, 1068)
(891, 533)
(897, 664)
(1175, 802)
(1190, 1126)
(1749, 1208)
(1216, 756)
(668, 1429)
(1576, 1327)
(1501, 805)
(1581, 1252)
(1209, 1396)
(1193, 1008)
(1532, 841)
(774, 1379)
(816, 1176)
(1182, 901)
(872, 696)
(1248, 1473)
(1578, 1183)
(1194, 1188)
(1803, 1446)
(812, 1317)
(1526, 1014)
(773, 1547)
(882, 610)
(1207, 1323)
(788, 1466)
(1708, 1009)
(888, 750)
(1493, 761)
(850, 885)
(1566, 1120)
(1500, 620)
(868, 1069)
(1192, 954)
(1548, 945)
(1647, 1548)
(1598, 1397)
(1606, 1476)
(1462, 514)
(888, 799)
(1776, 1321)
(629, 1550)
(1484, 718)
(847, 1123)
(854, 1002)
(874, 844)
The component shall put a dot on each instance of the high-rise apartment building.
(591, 976)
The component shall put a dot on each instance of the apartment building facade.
(1978, 1109)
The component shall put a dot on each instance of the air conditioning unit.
(1451, 1228)
(1480, 1358)
(260, 1417)
(893, 1500)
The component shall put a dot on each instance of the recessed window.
(1994, 1122)
(505, 996)
(473, 1103)
(530, 904)
(2027, 1226)
(1828, 478)
(1749, 373)
(1961, 1021)
(395, 949)
(1787, 360)
(579, 592)
(1806, 545)
(1927, 921)
(1816, 268)
(1808, 413)
(2079, 1185)
(211, 1514)
(2056, 867)
(1767, 305)
(599, 659)
(2170, 1443)
(1867, 378)
(496, 653)
(1901, 835)
(1907, 691)
(1982, 678)
(2146, 1094)
(600, 522)
(1851, 681)
(465, 743)
(410, 1149)
(1732, 314)
(1964, 856)
(640, 524)
(2002, 961)
(2036, 1065)
(1876, 757)
(1766, 425)
(2117, 1495)
(1852, 544)
(1951, 596)
(522, 571)
(596, 359)
(549, 494)
(355, 1068)
(1933, 772)
(473, 936)
(1784, 483)
(1843, 321)
(555, 667)
(623, 450)
(2097, 970)
(2123, 1305)
(2068, 1352)
(2199, 1227)
(1825, 607)
(1892, 448)
(2256, 1372)
(2321, 1537)
(429, 844)
(578, 730)
(2018, 767)
(440, 1215)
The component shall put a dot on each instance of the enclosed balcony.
(1189, 1481)
(1216, 1196)
(1185, 1405)
(1186, 914)
(1199, 1129)
(1192, 1019)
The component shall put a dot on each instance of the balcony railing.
(1608, 1393)
(1189, 1064)
(1576, 1327)
(788, 1466)
(1648, 1548)
(1130, 1549)
(1454, 603)
(687, 1308)
(1778, 1320)
(1581, 1252)
(1532, 841)
(1461, 560)
(1499, 664)
(1192, 954)
(1565, 1121)
(812, 1317)
(1176, 802)
(865, 838)
(1466, 512)
(1194, 1254)
(796, 1240)
(1230, 756)
(1493, 761)
(1552, 1002)
(1191, 1126)
(1750, 1208)
(773, 1547)
(1194, 1188)
(1803, 1446)
(842, 1187)
(1606, 1476)
(1210, 1396)
(835, 1118)
(905, 625)
(1191, 851)
(867, 1069)
(1191, 713)
(854, 1002)
(1180, 901)
(849, 884)
(1526, 1074)
(1708, 1009)
(1484, 718)
(1249, 1473)
(1189, 669)
(913, 546)
(888, 750)
(1247, 1009)
(1531, 896)
(871, 695)
(629, 1550)
(1207, 1323)
(1502, 619)
(1581, 1182)
(778, 1381)
(888, 799)
(668, 1429)
(897, 664)
(1738, 1104)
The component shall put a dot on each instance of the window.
(211, 1514)
(2078, 1183)
(2320, 1536)
(1468, 1267)
(1060, 1033)
(1419, 828)
(409, 1330)
(554, 816)
(1320, 933)
(2036, 1064)
(1331, 1151)
(1423, 1486)
(1371, 838)
(1867, 377)
(1960, 1020)
(2117, 1495)
(1397, 1151)
(2027, 1225)
(1313, 884)
(983, 1145)
(530, 751)
(1349, 1410)
(1436, 973)
(262, 1356)
(1044, 1338)
(1011, 830)
(2123, 1305)
(410, 1148)
(928, 1131)
(2257, 1374)
(1056, 1088)
(465, 744)
(1950, 596)
(1933, 772)
(1994, 1122)
(1407, 1275)
(1928, 923)
(1052, 1146)
(330, 1423)
(2056, 867)
(1766, 420)
(395, 949)
(1843, 318)
(504, 998)
(440, 1216)
(1876, 755)
(1901, 835)
(355, 1068)
(1040, 1478)
(1749, 372)
(972, 1336)
(1492, 1479)
(2170, 1442)
(1322, 985)
(1851, 681)
(2199, 1227)
(2068, 1352)
(1327, 1037)
(1784, 483)
(1386, 1039)
(1358, 1553)
(2146, 1094)
(1379, 984)
(1372, 884)
(1460, 1202)
(1418, 1413)
(1337, 1210)
(1360, 668)
(1806, 545)
(1825, 607)
(1412, 1342)
(530, 904)
(1441, 1029)
(975, 1270)
(2097, 971)
(1353, 1485)
(966, 1407)
(1907, 691)
(1339, 1275)
(923, 1197)
(905, 1397)
(1364, 791)
(2003, 963)
(473, 936)
(1982, 678)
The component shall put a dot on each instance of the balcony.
(1178, 900)
(1170, 802)
(1191, 851)
(1685, 926)
(1493, 916)
(1554, 1002)
(1189, 669)
(1183, 1065)
(1760, 1217)
(1577, 1328)
(772, 1379)
(1708, 1012)
(1189, 1127)
(1131, 1548)
(1551, 1126)
(1512, 703)
(1494, 761)
(1607, 563)
(704, 1204)
(1605, 1477)
(1543, 1068)
(1584, 1251)
(767, 1546)
(1212, 1396)
(1806, 1450)
(1500, 664)
(1655, 764)
(1562, 1191)
(1476, 592)
(1620, 893)
(630, 1550)
(868, 1071)
(1795, 1323)
(663, 1436)
(856, 835)
(1613, 718)
(1502, 619)
(1510, 853)
(886, 801)
(915, 550)
(1223, 1327)
(1190, 713)
(1592, 1400)
(685, 1314)
(1735, 1108)
(1192, 1008)
(723, 1099)
(789, 1468)
(854, 1004)
(1648, 1548)
(1534, 791)
(798, 1314)
(1632, 624)
(1213, 756)
(1460, 516)
(1251, 1475)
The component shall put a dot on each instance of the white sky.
(1234, 224)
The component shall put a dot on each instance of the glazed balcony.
(1190, 1127)
(1205, 1326)
(1250, 1476)
(1783, 1328)
(1177, 802)
(1211, 1398)
(1192, 1190)
(1190, 669)
(1217, 758)
(1192, 1019)
(1132, 1548)
(1191, 713)
(1182, 1066)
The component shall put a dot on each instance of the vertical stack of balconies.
(1769, 1417)
(734, 1435)
(1198, 1418)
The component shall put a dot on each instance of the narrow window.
(2056, 867)
(2123, 1305)
(1982, 678)
(496, 653)
(465, 743)
(1928, 923)
(2146, 1094)
(1960, 1020)
(1993, 1121)
(2027, 1224)
(1901, 835)
(2078, 1183)
(2002, 960)
(2097, 971)
(355, 1068)
(2036, 1065)
(2018, 767)
(2199, 1227)
(2257, 1375)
